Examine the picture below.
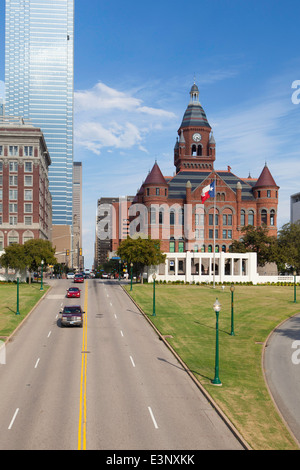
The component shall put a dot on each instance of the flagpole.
(214, 248)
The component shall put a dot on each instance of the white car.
(70, 275)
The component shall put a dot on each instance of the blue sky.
(135, 63)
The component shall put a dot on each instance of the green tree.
(14, 257)
(38, 250)
(28, 255)
(289, 245)
(142, 252)
(256, 239)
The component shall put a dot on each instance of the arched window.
(242, 217)
(199, 151)
(172, 217)
(272, 218)
(251, 217)
(152, 215)
(161, 216)
(264, 217)
(194, 150)
(13, 237)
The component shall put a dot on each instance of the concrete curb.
(27, 316)
(191, 375)
(266, 382)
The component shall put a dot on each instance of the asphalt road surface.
(282, 371)
(109, 385)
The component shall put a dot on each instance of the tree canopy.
(283, 250)
(28, 255)
(256, 239)
(289, 245)
(141, 251)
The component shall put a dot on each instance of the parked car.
(72, 315)
(78, 278)
(104, 276)
(70, 275)
(73, 292)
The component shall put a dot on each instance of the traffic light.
(80, 251)
(67, 252)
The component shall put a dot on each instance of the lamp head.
(217, 306)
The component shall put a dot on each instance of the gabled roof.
(155, 176)
(177, 185)
(265, 179)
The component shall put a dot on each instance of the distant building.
(25, 199)
(112, 226)
(295, 208)
(78, 262)
(39, 84)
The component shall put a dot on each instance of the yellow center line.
(82, 400)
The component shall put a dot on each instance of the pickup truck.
(72, 315)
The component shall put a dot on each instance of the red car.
(78, 278)
(73, 292)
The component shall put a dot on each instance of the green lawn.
(29, 296)
(186, 314)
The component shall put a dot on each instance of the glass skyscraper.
(39, 52)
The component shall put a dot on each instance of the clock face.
(197, 137)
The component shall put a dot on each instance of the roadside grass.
(185, 312)
(28, 297)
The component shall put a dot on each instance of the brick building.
(174, 210)
(25, 200)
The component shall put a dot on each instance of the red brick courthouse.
(170, 201)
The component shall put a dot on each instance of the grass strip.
(29, 295)
(185, 315)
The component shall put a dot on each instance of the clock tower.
(195, 146)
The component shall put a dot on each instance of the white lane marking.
(49, 334)
(37, 362)
(153, 419)
(14, 417)
(132, 361)
(121, 333)
(116, 316)
(55, 296)
(110, 304)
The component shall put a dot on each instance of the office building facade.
(25, 199)
(39, 44)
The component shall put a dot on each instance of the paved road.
(282, 369)
(109, 385)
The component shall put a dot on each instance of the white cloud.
(109, 118)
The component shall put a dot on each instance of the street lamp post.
(120, 269)
(216, 380)
(131, 265)
(18, 296)
(154, 277)
(295, 293)
(232, 310)
(42, 265)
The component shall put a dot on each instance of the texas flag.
(208, 191)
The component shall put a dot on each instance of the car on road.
(73, 292)
(78, 278)
(70, 275)
(72, 315)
